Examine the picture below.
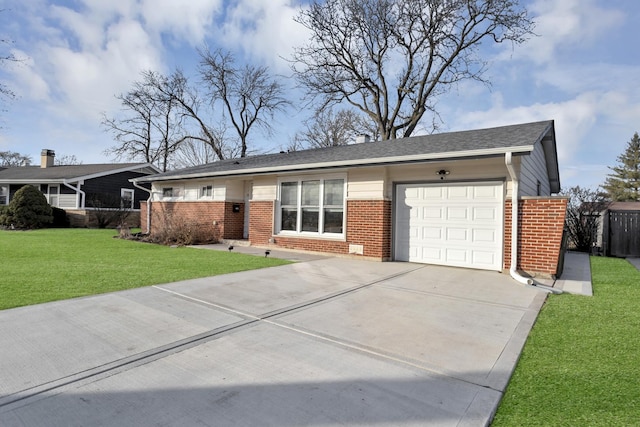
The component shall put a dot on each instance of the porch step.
(234, 242)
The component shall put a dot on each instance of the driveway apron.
(327, 342)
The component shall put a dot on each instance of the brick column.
(369, 224)
(540, 227)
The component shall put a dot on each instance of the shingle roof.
(69, 172)
(518, 138)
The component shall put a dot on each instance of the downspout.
(514, 231)
(77, 190)
(135, 184)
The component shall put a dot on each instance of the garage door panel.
(457, 234)
(459, 193)
(450, 224)
(457, 213)
(432, 233)
(456, 256)
(485, 214)
(484, 236)
(486, 193)
(432, 213)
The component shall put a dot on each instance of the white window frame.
(4, 193)
(55, 200)
(176, 193)
(129, 191)
(312, 234)
(206, 191)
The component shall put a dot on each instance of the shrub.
(60, 219)
(28, 209)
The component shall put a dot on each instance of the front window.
(312, 206)
(167, 192)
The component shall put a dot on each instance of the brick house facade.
(361, 200)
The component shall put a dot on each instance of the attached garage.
(453, 224)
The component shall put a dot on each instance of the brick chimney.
(46, 158)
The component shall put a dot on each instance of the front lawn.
(54, 264)
(581, 363)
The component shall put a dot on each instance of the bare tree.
(6, 94)
(151, 126)
(250, 96)
(66, 160)
(176, 88)
(327, 129)
(391, 59)
(14, 159)
(584, 208)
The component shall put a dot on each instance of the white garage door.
(450, 224)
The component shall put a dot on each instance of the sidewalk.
(635, 262)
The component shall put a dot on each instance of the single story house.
(440, 199)
(79, 189)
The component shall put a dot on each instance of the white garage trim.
(453, 224)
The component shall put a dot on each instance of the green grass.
(54, 264)
(581, 363)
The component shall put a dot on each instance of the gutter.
(77, 190)
(514, 232)
(135, 184)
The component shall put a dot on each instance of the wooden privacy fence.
(622, 233)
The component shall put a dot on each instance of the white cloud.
(187, 20)
(264, 30)
(564, 24)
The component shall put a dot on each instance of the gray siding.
(533, 170)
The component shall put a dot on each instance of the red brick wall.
(233, 222)
(260, 222)
(199, 216)
(541, 221)
(368, 224)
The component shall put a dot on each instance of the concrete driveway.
(320, 343)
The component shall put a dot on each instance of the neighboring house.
(619, 230)
(438, 199)
(79, 189)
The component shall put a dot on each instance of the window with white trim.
(126, 198)
(168, 192)
(4, 194)
(312, 206)
(206, 191)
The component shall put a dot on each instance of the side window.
(4, 194)
(167, 192)
(206, 191)
(126, 198)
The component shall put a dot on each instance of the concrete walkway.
(576, 277)
(330, 341)
(635, 262)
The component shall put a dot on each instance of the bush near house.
(60, 219)
(28, 209)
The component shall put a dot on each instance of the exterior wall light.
(442, 173)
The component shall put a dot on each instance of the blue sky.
(581, 70)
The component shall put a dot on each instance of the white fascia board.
(346, 163)
(112, 172)
(31, 181)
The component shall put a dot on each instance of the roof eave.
(344, 163)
